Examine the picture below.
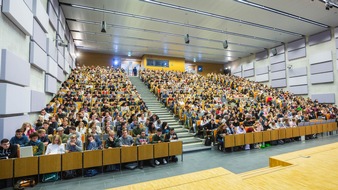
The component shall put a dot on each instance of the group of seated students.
(231, 105)
(92, 103)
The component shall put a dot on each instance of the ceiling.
(158, 27)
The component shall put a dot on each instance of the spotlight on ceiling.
(103, 27)
(186, 39)
(225, 44)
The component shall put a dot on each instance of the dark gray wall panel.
(50, 84)
(298, 44)
(278, 75)
(277, 59)
(297, 81)
(39, 36)
(278, 67)
(38, 57)
(262, 70)
(322, 78)
(261, 55)
(14, 99)
(19, 13)
(320, 37)
(321, 67)
(14, 69)
(296, 54)
(262, 78)
(324, 98)
(8, 125)
(320, 57)
(299, 90)
(302, 71)
(278, 83)
(38, 100)
(249, 73)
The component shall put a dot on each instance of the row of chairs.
(30, 166)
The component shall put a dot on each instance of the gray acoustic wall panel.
(38, 57)
(336, 32)
(19, 13)
(322, 78)
(40, 14)
(278, 75)
(50, 84)
(298, 44)
(296, 54)
(302, 71)
(320, 57)
(262, 70)
(8, 125)
(321, 67)
(279, 49)
(67, 68)
(14, 99)
(52, 68)
(320, 37)
(51, 49)
(55, 5)
(278, 67)
(324, 98)
(237, 69)
(38, 100)
(53, 18)
(60, 75)
(62, 19)
(280, 83)
(277, 59)
(14, 69)
(61, 31)
(29, 4)
(297, 81)
(238, 74)
(261, 55)
(299, 90)
(262, 78)
(248, 66)
(61, 60)
(39, 36)
(249, 73)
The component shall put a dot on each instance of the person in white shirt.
(81, 128)
(142, 119)
(56, 147)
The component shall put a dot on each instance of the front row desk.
(279, 134)
(21, 167)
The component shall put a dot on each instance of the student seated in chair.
(38, 146)
(56, 147)
(158, 138)
(93, 143)
(8, 150)
(112, 141)
(19, 138)
(74, 144)
(125, 139)
(143, 140)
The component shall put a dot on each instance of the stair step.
(258, 172)
(194, 147)
(191, 140)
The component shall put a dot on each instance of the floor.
(236, 162)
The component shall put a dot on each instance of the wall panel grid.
(322, 78)
(278, 75)
(278, 67)
(280, 83)
(295, 72)
(324, 98)
(320, 57)
(298, 44)
(261, 55)
(248, 66)
(262, 78)
(321, 67)
(249, 73)
(299, 90)
(320, 37)
(296, 54)
(262, 70)
(277, 59)
(296, 81)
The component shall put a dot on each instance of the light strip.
(174, 23)
(221, 17)
(282, 13)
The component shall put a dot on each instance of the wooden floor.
(314, 168)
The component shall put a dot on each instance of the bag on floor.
(207, 141)
(22, 183)
(91, 173)
(69, 174)
(50, 177)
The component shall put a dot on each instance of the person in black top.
(8, 150)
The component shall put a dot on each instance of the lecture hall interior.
(168, 94)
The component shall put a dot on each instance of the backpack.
(22, 183)
(91, 173)
(50, 177)
(207, 141)
(69, 174)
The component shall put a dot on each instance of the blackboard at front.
(157, 63)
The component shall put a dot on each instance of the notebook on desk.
(26, 151)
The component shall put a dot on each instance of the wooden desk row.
(21, 167)
(279, 134)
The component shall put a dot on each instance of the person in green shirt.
(64, 137)
(37, 145)
(112, 141)
(137, 130)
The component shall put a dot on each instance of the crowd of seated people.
(227, 104)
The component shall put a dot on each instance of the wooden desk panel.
(111, 156)
(175, 148)
(301, 131)
(239, 139)
(258, 137)
(248, 139)
(308, 130)
(49, 163)
(145, 152)
(26, 166)
(334, 126)
(161, 150)
(266, 136)
(71, 161)
(319, 128)
(325, 127)
(330, 126)
(295, 132)
(92, 158)
(274, 134)
(129, 154)
(288, 133)
(314, 129)
(6, 171)
(281, 133)
(229, 141)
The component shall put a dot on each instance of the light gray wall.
(32, 66)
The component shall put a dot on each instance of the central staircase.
(190, 143)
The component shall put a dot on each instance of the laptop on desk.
(26, 151)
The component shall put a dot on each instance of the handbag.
(50, 177)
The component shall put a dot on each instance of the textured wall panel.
(280, 50)
(320, 57)
(29, 4)
(321, 67)
(296, 54)
(14, 99)
(278, 75)
(302, 71)
(296, 81)
(324, 98)
(53, 18)
(51, 49)
(262, 78)
(278, 83)
(67, 68)
(61, 31)
(50, 84)
(238, 74)
(8, 125)
(322, 78)
(40, 14)
(277, 59)
(55, 5)
(52, 68)
(298, 44)
(237, 69)
(38, 100)
(249, 73)
(261, 55)
(9, 64)
(38, 57)
(39, 36)
(278, 67)
(61, 75)
(19, 13)
(62, 18)
(248, 66)
(262, 70)
(320, 37)
(299, 90)
(61, 60)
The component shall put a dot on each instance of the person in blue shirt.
(19, 138)
(93, 143)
